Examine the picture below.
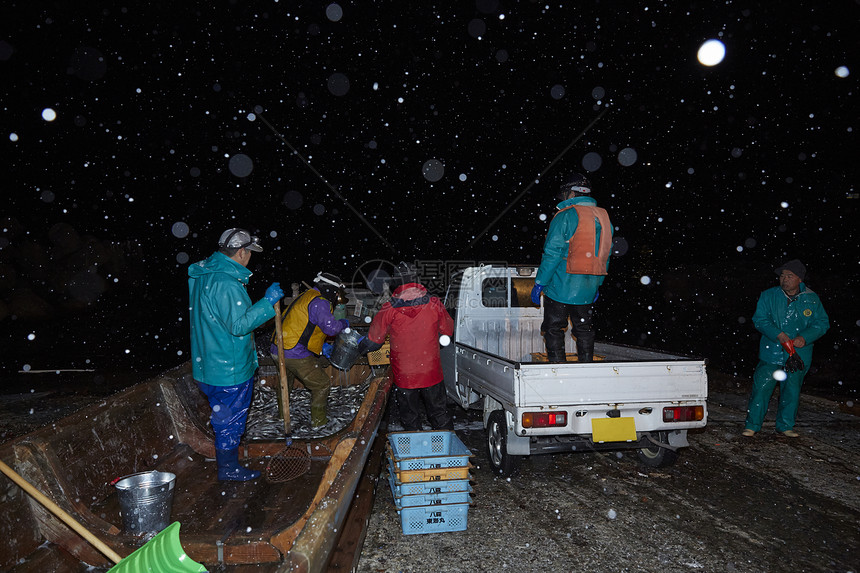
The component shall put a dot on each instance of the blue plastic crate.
(428, 475)
(427, 450)
(434, 519)
(436, 498)
(399, 488)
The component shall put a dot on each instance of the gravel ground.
(730, 503)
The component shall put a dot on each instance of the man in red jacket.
(414, 321)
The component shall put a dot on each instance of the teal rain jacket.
(558, 284)
(804, 317)
(223, 320)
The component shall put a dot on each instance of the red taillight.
(683, 414)
(544, 419)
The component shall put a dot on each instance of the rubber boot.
(318, 416)
(584, 351)
(556, 356)
(229, 468)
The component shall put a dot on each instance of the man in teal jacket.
(574, 264)
(223, 353)
(790, 318)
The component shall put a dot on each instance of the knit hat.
(794, 266)
(404, 273)
(576, 182)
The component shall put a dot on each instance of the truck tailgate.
(611, 383)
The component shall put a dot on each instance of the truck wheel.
(657, 457)
(497, 441)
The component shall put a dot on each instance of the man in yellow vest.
(574, 263)
(306, 324)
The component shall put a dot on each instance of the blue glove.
(345, 323)
(596, 296)
(536, 294)
(327, 348)
(274, 293)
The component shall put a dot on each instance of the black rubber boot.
(556, 356)
(584, 351)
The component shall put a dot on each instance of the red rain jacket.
(414, 320)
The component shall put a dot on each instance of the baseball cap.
(239, 239)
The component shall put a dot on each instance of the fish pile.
(265, 424)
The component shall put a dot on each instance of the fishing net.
(294, 461)
(288, 464)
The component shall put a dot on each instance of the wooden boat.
(162, 424)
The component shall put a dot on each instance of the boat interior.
(162, 424)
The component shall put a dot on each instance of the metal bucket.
(345, 351)
(145, 500)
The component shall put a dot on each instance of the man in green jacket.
(223, 353)
(790, 318)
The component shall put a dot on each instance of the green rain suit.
(223, 321)
(800, 315)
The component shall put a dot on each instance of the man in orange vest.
(574, 263)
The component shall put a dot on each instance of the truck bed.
(514, 334)
(492, 344)
(625, 376)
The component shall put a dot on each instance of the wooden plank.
(312, 548)
(285, 539)
(19, 530)
(49, 557)
(347, 552)
(186, 429)
(571, 357)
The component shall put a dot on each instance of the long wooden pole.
(60, 513)
(282, 369)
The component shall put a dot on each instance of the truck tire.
(657, 457)
(497, 443)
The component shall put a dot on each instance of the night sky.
(345, 133)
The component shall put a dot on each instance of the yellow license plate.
(613, 430)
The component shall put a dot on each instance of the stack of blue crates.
(429, 479)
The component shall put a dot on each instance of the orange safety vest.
(581, 258)
(297, 327)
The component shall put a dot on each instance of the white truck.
(628, 398)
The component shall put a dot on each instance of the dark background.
(163, 107)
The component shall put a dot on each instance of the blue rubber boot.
(229, 468)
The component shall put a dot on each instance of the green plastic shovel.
(161, 554)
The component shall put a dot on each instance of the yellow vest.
(297, 327)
